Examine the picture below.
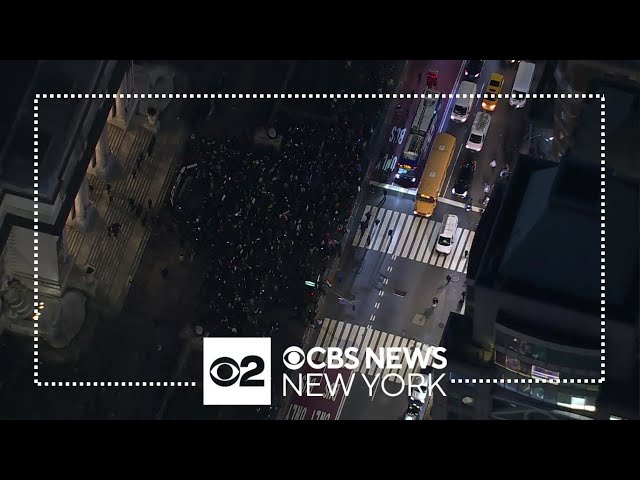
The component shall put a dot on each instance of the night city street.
(233, 240)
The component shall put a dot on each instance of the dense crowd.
(267, 220)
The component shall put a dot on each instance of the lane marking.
(454, 203)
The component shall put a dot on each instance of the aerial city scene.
(320, 240)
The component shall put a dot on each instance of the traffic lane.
(466, 220)
(361, 280)
(497, 146)
(448, 71)
(318, 401)
(462, 130)
(399, 113)
(408, 310)
(371, 403)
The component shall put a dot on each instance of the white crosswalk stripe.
(413, 238)
(335, 333)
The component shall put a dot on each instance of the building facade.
(72, 138)
(533, 294)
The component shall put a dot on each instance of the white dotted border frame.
(380, 96)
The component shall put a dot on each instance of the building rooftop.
(622, 124)
(56, 118)
(544, 239)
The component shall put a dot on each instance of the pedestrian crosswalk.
(340, 334)
(413, 238)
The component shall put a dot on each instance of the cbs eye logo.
(293, 358)
(226, 372)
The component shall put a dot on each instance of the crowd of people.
(265, 220)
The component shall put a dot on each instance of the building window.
(576, 402)
(544, 374)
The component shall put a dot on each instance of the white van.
(464, 102)
(522, 84)
(447, 233)
(479, 131)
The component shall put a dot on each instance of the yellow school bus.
(434, 174)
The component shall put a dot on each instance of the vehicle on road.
(473, 68)
(422, 130)
(419, 393)
(412, 412)
(447, 234)
(494, 88)
(464, 179)
(479, 131)
(431, 183)
(464, 101)
(432, 78)
(522, 84)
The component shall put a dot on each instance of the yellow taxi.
(490, 99)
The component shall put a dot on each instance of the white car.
(419, 393)
(479, 131)
(445, 241)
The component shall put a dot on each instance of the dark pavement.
(415, 82)
(507, 130)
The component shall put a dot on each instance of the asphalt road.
(405, 108)
(505, 134)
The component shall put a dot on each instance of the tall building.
(533, 292)
(67, 137)
(585, 76)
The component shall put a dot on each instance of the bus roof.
(437, 163)
(425, 113)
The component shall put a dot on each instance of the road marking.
(456, 242)
(432, 241)
(381, 293)
(344, 399)
(396, 232)
(417, 239)
(395, 188)
(378, 336)
(427, 235)
(342, 341)
(393, 257)
(408, 227)
(420, 239)
(375, 389)
(460, 247)
(390, 226)
(372, 318)
(396, 344)
(385, 281)
(448, 201)
(377, 305)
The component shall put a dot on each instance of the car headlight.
(415, 212)
(397, 175)
(413, 180)
(465, 194)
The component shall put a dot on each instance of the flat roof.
(56, 117)
(545, 242)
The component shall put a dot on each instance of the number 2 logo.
(225, 371)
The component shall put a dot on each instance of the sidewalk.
(115, 260)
